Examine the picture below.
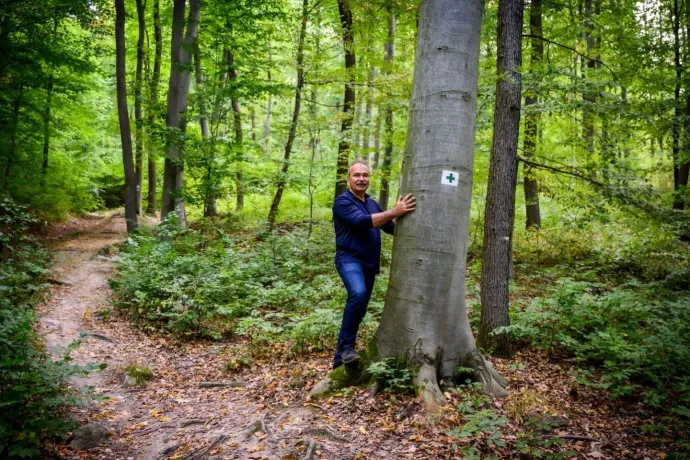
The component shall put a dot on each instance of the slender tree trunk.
(679, 182)
(388, 117)
(239, 137)
(46, 129)
(173, 157)
(349, 98)
(269, 106)
(588, 95)
(210, 207)
(179, 114)
(123, 115)
(377, 139)
(369, 110)
(282, 181)
(155, 80)
(138, 102)
(252, 116)
(16, 106)
(425, 318)
(499, 215)
(532, 121)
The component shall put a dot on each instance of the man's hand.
(404, 205)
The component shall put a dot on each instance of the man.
(358, 221)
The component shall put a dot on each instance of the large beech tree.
(425, 319)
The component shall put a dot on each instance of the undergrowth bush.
(34, 388)
(638, 335)
(206, 282)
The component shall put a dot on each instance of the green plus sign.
(450, 177)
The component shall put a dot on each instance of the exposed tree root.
(427, 387)
(200, 454)
(253, 427)
(492, 382)
(183, 424)
(310, 450)
(98, 335)
(322, 431)
(234, 383)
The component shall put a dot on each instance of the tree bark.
(587, 95)
(499, 215)
(46, 129)
(177, 113)
(532, 121)
(282, 180)
(425, 318)
(210, 207)
(369, 110)
(349, 97)
(173, 157)
(138, 102)
(269, 106)
(123, 115)
(155, 80)
(388, 117)
(16, 106)
(239, 137)
(680, 169)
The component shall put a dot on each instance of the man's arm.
(402, 207)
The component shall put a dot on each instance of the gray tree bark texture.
(173, 156)
(210, 206)
(269, 107)
(532, 121)
(239, 137)
(123, 115)
(499, 215)
(180, 112)
(151, 206)
(369, 110)
(282, 180)
(349, 98)
(425, 317)
(384, 192)
(138, 104)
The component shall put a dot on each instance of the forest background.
(281, 96)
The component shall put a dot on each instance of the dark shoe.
(350, 356)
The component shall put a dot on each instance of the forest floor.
(262, 411)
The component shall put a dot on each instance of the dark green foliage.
(395, 374)
(33, 388)
(205, 283)
(637, 335)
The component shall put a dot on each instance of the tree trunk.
(369, 110)
(210, 207)
(123, 115)
(173, 157)
(13, 141)
(388, 117)
(46, 130)
(239, 138)
(282, 180)
(269, 106)
(177, 114)
(588, 96)
(155, 80)
(499, 215)
(679, 169)
(425, 318)
(532, 121)
(138, 101)
(349, 98)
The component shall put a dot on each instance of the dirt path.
(173, 416)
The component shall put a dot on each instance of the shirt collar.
(366, 196)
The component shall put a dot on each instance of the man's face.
(358, 178)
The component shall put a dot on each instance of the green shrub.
(34, 389)
(638, 336)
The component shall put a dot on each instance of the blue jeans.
(359, 282)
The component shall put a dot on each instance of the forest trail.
(173, 417)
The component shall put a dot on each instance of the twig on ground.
(234, 383)
(573, 437)
(194, 421)
(58, 282)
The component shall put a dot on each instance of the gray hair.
(358, 162)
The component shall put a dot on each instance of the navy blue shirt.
(356, 239)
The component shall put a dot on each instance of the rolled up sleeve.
(351, 215)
